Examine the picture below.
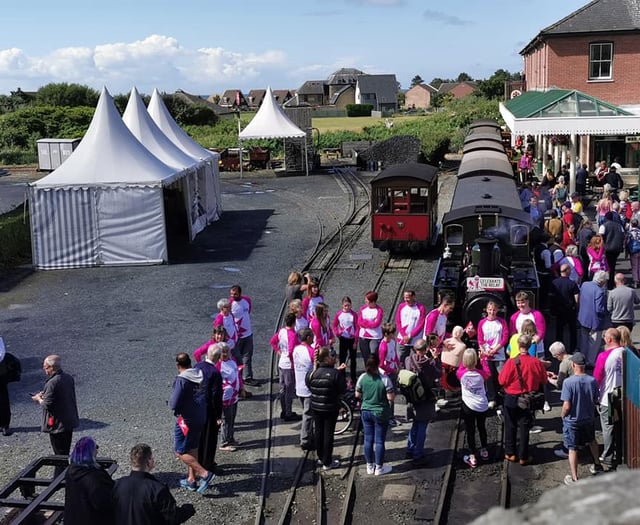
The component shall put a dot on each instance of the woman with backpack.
(633, 249)
(427, 366)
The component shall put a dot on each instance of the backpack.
(11, 368)
(411, 386)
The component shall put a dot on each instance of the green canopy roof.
(559, 103)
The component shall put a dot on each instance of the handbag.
(528, 400)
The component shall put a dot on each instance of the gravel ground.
(118, 329)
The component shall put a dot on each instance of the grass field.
(354, 123)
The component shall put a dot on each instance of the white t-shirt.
(612, 374)
(474, 394)
(302, 363)
(492, 331)
(283, 345)
(241, 311)
(409, 319)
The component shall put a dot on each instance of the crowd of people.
(320, 355)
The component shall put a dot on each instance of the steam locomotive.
(487, 235)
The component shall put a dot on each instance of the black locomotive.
(487, 235)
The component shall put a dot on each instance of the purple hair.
(84, 452)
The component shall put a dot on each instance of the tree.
(437, 82)
(186, 113)
(464, 77)
(493, 87)
(67, 95)
(416, 81)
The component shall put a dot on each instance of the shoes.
(319, 463)
(394, 423)
(568, 480)
(381, 470)
(546, 407)
(6, 431)
(499, 414)
(190, 486)
(484, 454)
(536, 429)
(594, 469)
(228, 448)
(371, 468)
(334, 464)
(245, 394)
(510, 457)
(438, 408)
(251, 382)
(527, 461)
(408, 454)
(561, 453)
(471, 460)
(205, 482)
(234, 442)
(307, 446)
(492, 405)
(442, 403)
(292, 417)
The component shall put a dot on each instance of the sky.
(205, 47)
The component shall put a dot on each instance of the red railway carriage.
(404, 207)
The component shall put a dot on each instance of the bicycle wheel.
(345, 417)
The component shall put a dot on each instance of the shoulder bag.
(528, 400)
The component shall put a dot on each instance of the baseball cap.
(579, 359)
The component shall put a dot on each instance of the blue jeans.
(375, 431)
(417, 437)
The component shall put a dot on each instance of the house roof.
(281, 95)
(346, 75)
(445, 87)
(339, 93)
(424, 87)
(256, 96)
(195, 99)
(561, 111)
(384, 86)
(599, 16)
(312, 87)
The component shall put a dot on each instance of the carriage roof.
(424, 173)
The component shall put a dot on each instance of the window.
(600, 61)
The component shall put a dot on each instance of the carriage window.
(453, 234)
(382, 201)
(519, 235)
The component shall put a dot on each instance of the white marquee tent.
(211, 176)
(199, 197)
(105, 204)
(271, 122)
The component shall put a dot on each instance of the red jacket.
(534, 375)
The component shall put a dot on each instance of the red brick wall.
(461, 90)
(564, 63)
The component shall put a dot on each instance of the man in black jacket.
(59, 407)
(327, 385)
(613, 235)
(140, 499)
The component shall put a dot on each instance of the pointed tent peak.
(271, 122)
(143, 127)
(161, 116)
(109, 154)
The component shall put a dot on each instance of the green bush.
(15, 239)
(359, 110)
(18, 156)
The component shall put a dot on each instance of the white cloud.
(155, 61)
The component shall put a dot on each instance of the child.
(345, 327)
(474, 403)
(389, 360)
(283, 342)
(311, 300)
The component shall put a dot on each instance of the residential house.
(381, 91)
(419, 96)
(233, 98)
(255, 98)
(314, 93)
(196, 99)
(282, 96)
(458, 89)
(594, 50)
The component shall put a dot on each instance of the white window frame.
(600, 61)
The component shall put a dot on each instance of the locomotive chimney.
(486, 256)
